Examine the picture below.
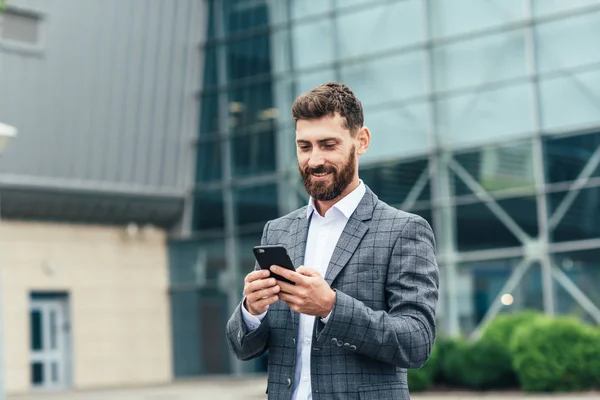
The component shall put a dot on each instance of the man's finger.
(288, 298)
(254, 275)
(260, 294)
(260, 284)
(266, 301)
(308, 271)
(287, 287)
(286, 273)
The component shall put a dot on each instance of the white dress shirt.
(323, 235)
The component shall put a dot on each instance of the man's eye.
(304, 148)
(329, 146)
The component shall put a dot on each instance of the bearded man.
(361, 308)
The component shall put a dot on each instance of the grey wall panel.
(109, 97)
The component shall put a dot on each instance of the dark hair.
(328, 99)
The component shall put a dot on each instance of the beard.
(324, 191)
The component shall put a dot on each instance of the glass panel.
(481, 60)
(583, 269)
(256, 204)
(553, 6)
(392, 182)
(242, 15)
(185, 323)
(478, 228)
(251, 105)
(307, 82)
(397, 132)
(495, 168)
(246, 258)
(570, 101)
(305, 38)
(568, 43)
(37, 373)
(208, 210)
(208, 164)
(380, 28)
(482, 281)
(249, 57)
(209, 114)
(387, 79)
(301, 9)
(485, 116)
(565, 157)
(53, 345)
(200, 262)
(55, 372)
(582, 219)
(450, 17)
(253, 154)
(344, 4)
(210, 79)
(35, 318)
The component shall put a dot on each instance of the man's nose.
(316, 159)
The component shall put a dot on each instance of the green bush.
(422, 379)
(556, 354)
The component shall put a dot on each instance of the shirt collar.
(346, 206)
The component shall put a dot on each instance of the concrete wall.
(117, 286)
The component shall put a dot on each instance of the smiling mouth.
(320, 175)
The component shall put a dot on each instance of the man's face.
(326, 156)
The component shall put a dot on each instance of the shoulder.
(397, 219)
(285, 221)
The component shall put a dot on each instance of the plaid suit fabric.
(386, 279)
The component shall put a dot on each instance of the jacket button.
(340, 343)
(334, 341)
(289, 382)
(346, 346)
(353, 348)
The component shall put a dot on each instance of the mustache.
(319, 170)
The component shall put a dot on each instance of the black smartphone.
(274, 255)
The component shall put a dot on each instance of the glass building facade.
(484, 120)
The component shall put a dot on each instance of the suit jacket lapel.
(352, 235)
(297, 248)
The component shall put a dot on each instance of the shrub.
(422, 379)
(556, 354)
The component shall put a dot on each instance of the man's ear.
(363, 138)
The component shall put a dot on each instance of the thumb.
(307, 271)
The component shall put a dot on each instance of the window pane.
(306, 82)
(55, 372)
(582, 219)
(387, 79)
(451, 17)
(251, 105)
(570, 101)
(301, 9)
(241, 16)
(208, 163)
(312, 43)
(254, 154)
(209, 114)
(380, 28)
(565, 157)
(481, 60)
(35, 318)
(53, 329)
(396, 132)
(256, 204)
(196, 262)
(553, 6)
(37, 373)
(208, 210)
(568, 43)
(185, 322)
(481, 117)
(249, 57)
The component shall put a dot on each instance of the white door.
(50, 343)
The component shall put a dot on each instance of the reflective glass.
(208, 210)
(393, 181)
(570, 101)
(196, 261)
(312, 43)
(565, 157)
(250, 56)
(450, 17)
(480, 117)
(581, 220)
(35, 321)
(480, 60)
(569, 42)
(254, 154)
(251, 105)
(397, 131)
(380, 28)
(386, 79)
(208, 163)
(209, 114)
(37, 373)
(185, 323)
(242, 15)
(256, 204)
(308, 81)
(541, 7)
(306, 8)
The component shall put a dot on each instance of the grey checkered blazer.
(386, 278)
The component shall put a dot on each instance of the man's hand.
(311, 294)
(260, 290)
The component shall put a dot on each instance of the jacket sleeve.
(404, 334)
(244, 343)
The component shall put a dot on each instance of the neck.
(323, 206)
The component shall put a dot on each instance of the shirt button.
(307, 341)
(289, 382)
(334, 341)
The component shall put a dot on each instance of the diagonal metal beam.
(489, 201)
(510, 285)
(578, 184)
(416, 190)
(577, 294)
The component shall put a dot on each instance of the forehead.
(316, 129)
